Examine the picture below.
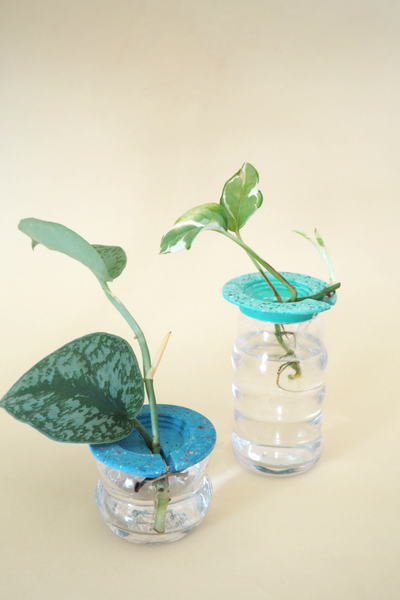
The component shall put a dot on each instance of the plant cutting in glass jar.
(240, 199)
(91, 390)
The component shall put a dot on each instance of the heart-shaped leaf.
(105, 262)
(88, 391)
(241, 197)
(189, 225)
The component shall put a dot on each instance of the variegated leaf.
(319, 239)
(88, 391)
(106, 264)
(304, 236)
(241, 197)
(322, 249)
(114, 258)
(189, 225)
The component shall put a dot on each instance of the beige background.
(118, 116)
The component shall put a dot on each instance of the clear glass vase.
(133, 481)
(279, 362)
(278, 388)
(130, 514)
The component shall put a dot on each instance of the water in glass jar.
(278, 388)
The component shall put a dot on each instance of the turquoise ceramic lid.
(186, 438)
(255, 298)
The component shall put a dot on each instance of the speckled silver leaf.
(114, 258)
(88, 391)
(105, 262)
(241, 197)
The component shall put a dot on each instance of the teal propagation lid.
(187, 437)
(255, 298)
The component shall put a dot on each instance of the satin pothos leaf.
(241, 197)
(105, 262)
(188, 226)
(114, 258)
(89, 391)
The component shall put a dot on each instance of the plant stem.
(258, 267)
(161, 500)
(144, 433)
(271, 270)
(148, 382)
(320, 295)
(279, 333)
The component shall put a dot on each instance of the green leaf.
(105, 264)
(322, 249)
(319, 238)
(241, 197)
(305, 236)
(113, 257)
(88, 391)
(205, 217)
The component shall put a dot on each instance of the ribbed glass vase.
(279, 361)
(130, 514)
(132, 478)
(278, 398)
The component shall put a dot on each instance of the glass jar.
(278, 396)
(132, 479)
(130, 514)
(279, 362)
